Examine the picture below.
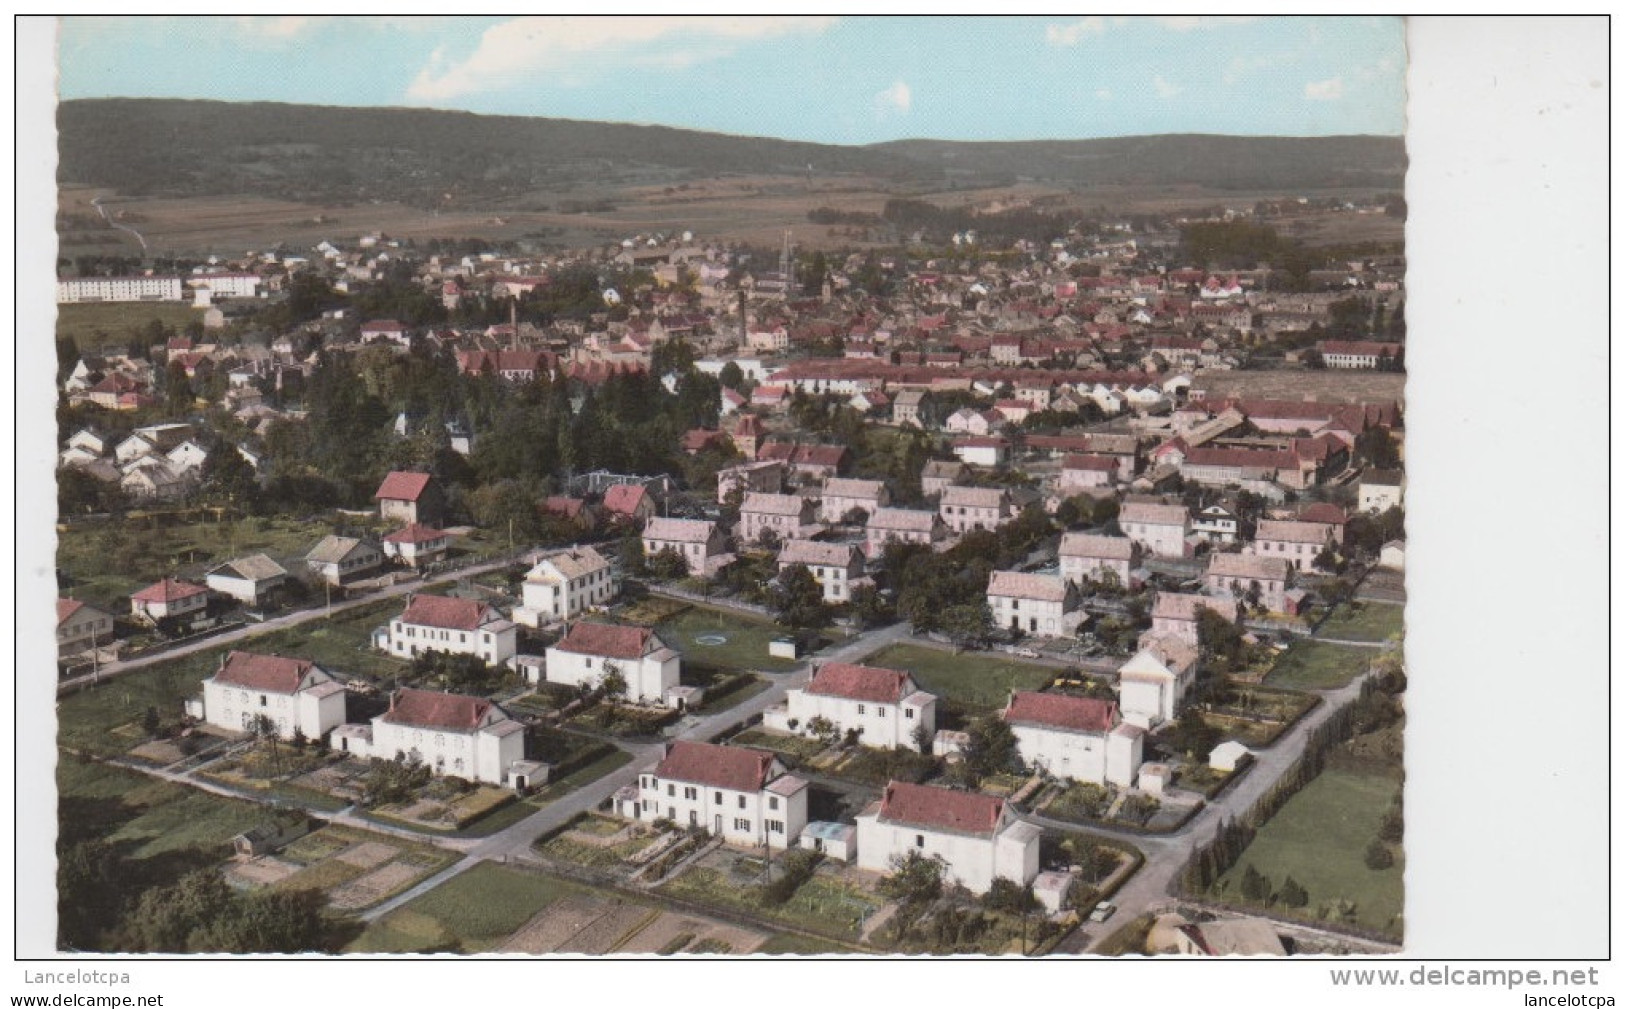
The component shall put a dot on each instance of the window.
(863, 709)
(772, 802)
(741, 802)
(740, 823)
(908, 712)
(587, 662)
(693, 818)
(263, 701)
(691, 793)
(919, 840)
(671, 790)
(776, 826)
(881, 712)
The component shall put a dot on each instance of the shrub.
(1293, 894)
(1377, 855)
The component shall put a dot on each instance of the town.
(989, 580)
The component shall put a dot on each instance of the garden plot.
(580, 923)
(675, 933)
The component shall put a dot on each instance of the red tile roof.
(941, 808)
(402, 486)
(569, 507)
(624, 498)
(445, 612)
(168, 591)
(415, 533)
(1095, 463)
(431, 709)
(1325, 513)
(1081, 714)
(859, 683)
(263, 672)
(66, 608)
(614, 641)
(729, 767)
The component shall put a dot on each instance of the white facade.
(1152, 685)
(836, 567)
(841, 496)
(742, 796)
(466, 737)
(966, 508)
(1160, 529)
(1031, 604)
(82, 289)
(1085, 557)
(590, 651)
(1078, 738)
(884, 705)
(1007, 848)
(456, 626)
(297, 696)
(564, 586)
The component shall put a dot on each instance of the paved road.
(287, 620)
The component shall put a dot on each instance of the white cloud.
(1104, 94)
(1204, 22)
(1077, 31)
(896, 99)
(1324, 91)
(1165, 88)
(528, 46)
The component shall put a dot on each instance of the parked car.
(1103, 910)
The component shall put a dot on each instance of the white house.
(1215, 524)
(975, 450)
(80, 625)
(966, 508)
(417, 544)
(1081, 473)
(836, 567)
(1162, 529)
(743, 796)
(697, 540)
(1176, 613)
(787, 515)
(295, 694)
(1382, 489)
(1087, 557)
(447, 624)
(1298, 543)
(748, 478)
(451, 734)
(590, 650)
(1033, 604)
(884, 705)
(339, 558)
(564, 585)
(840, 496)
(1082, 738)
(975, 835)
(1152, 685)
(1239, 574)
(249, 579)
(168, 598)
(902, 525)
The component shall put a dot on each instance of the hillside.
(428, 158)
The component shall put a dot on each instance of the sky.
(839, 80)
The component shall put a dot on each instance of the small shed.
(1155, 778)
(270, 836)
(948, 743)
(782, 648)
(1051, 889)
(837, 840)
(684, 697)
(1392, 556)
(1228, 756)
(525, 775)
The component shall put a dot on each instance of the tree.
(667, 564)
(1254, 884)
(915, 878)
(967, 626)
(731, 376)
(798, 600)
(151, 724)
(612, 683)
(228, 477)
(870, 607)
(1293, 894)
(922, 738)
(823, 730)
(1377, 855)
(991, 746)
(1010, 897)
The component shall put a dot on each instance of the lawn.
(799, 748)
(87, 718)
(568, 849)
(108, 561)
(469, 913)
(570, 782)
(1319, 838)
(1316, 665)
(731, 640)
(975, 679)
(1364, 622)
(724, 690)
(108, 324)
(821, 904)
(790, 944)
(153, 817)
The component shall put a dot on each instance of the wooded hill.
(428, 158)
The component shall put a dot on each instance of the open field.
(152, 817)
(722, 639)
(1364, 622)
(469, 913)
(1330, 386)
(1319, 839)
(1316, 665)
(821, 904)
(95, 326)
(976, 679)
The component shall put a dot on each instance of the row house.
(885, 706)
(838, 568)
(902, 525)
(977, 836)
(745, 797)
(432, 623)
(1033, 604)
(565, 585)
(787, 516)
(450, 734)
(937, 475)
(1367, 354)
(589, 651)
(296, 695)
(811, 463)
(1240, 574)
(1161, 529)
(1088, 557)
(964, 509)
(841, 496)
(699, 542)
(1081, 738)
(1176, 614)
(1298, 543)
